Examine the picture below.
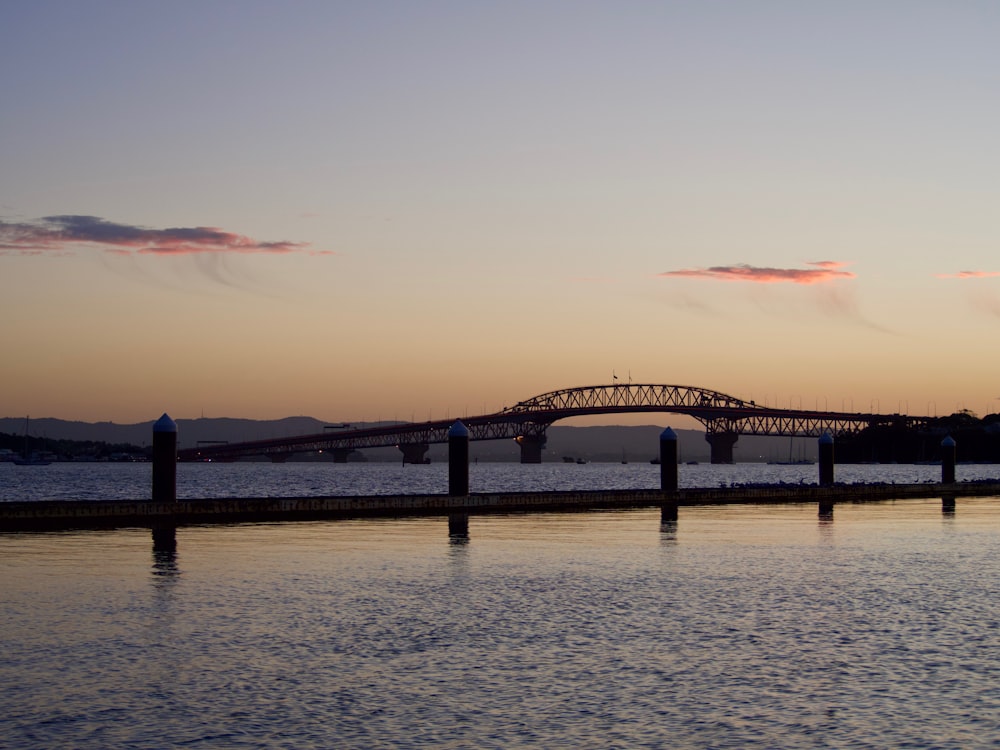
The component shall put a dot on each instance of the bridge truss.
(721, 414)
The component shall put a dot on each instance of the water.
(741, 626)
(92, 481)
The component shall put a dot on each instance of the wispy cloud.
(64, 234)
(840, 302)
(968, 275)
(986, 303)
(979, 297)
(819, 273)
(836, 301)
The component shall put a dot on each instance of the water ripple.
(751, 627)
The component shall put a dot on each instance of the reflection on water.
(668, 531)
(165, 538)
(748, 627)
(458, 528)
(164, 553)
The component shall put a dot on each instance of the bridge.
(725, 418)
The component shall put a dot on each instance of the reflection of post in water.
(165, 538)
(165, 551)
(826, 509)
(948, 505)
(826, 527)
(458, 528)
(668, 530)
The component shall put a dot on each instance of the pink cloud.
(59, 234)
(968, 275)
(821, 272)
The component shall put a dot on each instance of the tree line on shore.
(977, 440)
(72, 450)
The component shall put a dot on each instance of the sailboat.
(801, 461)
(28, 459)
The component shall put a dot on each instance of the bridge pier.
(722, 446)
(414, 453)
(340, 455)
(531, 447)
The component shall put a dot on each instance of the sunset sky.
(414, 210)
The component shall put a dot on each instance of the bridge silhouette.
(725, 418)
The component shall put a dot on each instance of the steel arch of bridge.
(718, 412)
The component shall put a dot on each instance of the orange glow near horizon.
(780, 222)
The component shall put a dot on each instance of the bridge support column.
(531, 448)
(414, 453)
(722, 446)
(340, 455)
(279, 458)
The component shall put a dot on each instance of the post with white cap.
(826, 460)
(668, 460)
(668, 476)
(948, 456)
(826, 473)
(165, 460)
(164, 481)
(458, 459)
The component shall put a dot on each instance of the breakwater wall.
(71, 514)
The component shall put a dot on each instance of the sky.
(425, 210)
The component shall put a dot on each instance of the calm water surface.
(82, 481)
(738, 627)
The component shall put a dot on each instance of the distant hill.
(189, 431)
(605, 443)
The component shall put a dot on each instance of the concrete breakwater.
(75, 514)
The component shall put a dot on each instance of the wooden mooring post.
(668, 476)
(164, 480)
(458, 459)
(826, 473)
